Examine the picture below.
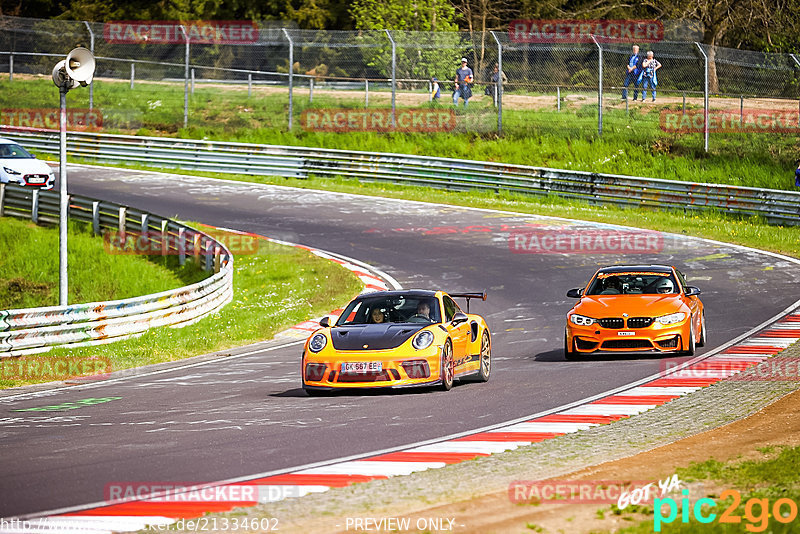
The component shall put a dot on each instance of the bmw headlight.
(422, 340)
(582, 320)
(11, 171)
(318, 342)
(672, 318)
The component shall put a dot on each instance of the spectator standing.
(648, 76)
(634, 68)
(436, 91)
(464, 77)
(797, 175)
(491, 90)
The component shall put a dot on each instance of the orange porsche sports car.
(634, 309)
(398, 339)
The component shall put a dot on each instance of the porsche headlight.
(318, 342)
(11, 171)
(422, 340)
(582, 320)
(672, 318)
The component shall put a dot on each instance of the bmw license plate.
(362, 367)
(626, 333)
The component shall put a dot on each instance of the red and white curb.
(749, 350)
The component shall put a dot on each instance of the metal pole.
(91, 49)
(249, 85)
(741, 110)
(185, 79)
(366, 93)
(558, 98)
(684, 103)
(430, 91)
(310, 90)
(394, 77)
(62, 217)
(133, 73)
(192, 86)
(705, 97)
(499, 86)
(599, 88)
(798, 102)
(291, 75)
(10, 68)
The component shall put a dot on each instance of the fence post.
(366, 93)
(133, 73)
(35, 207)
(185, 79)
(558, 98)
(798, 101)
(741, 110)
(705, 96)
(10, 68)
(310, 90)
(192, 86)
(181, 246)
(499, 86)
(249, 85)
(2, 198)
(123, 215)
(91, 49)
(394, 77)
(599, 87)
(291, 75)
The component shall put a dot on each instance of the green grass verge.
(29, 268)
(273, 289)
(632, 142)
(760, 484)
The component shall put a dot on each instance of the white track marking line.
(366, 467)
(609, 409)
(547, 427)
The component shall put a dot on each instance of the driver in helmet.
(665, 286)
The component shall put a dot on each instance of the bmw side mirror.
(575, 293)
(324, 322)
(691, 291)
(459, 318)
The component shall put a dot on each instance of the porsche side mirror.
(575, 293)
(459, 318)
(691, 291)
(324, 322)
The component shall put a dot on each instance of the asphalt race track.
(248, 415)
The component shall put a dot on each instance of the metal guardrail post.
(121, 217)
(599, 87)
(181, 246)
(705, 96)
(499, 86)
(35, 206)
(96, 217)
(185, 78)
(164, 238)
(394, 77)
(2, 199)
(91, 49)
(291, 77)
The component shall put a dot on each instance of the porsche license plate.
(362, 367)
(626, 333)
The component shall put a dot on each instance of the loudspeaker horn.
(80, 65)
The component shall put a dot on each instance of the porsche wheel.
(486, 358)
(446, 371)
(702, 341)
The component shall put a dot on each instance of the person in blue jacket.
(797, 175)
(648, 76)
(634, 68)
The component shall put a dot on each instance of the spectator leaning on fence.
(648, 76)
(463, 79)
(491, 89)
(634, 67)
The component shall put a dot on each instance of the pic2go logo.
(756, 511)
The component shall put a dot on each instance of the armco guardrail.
(34, 330)
(778, 207)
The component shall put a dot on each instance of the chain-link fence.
(159, 77)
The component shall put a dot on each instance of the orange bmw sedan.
(639, 308)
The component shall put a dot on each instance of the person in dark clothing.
(634, 69)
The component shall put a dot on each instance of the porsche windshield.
(391, 309)
(633, 283)
(13, 151)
